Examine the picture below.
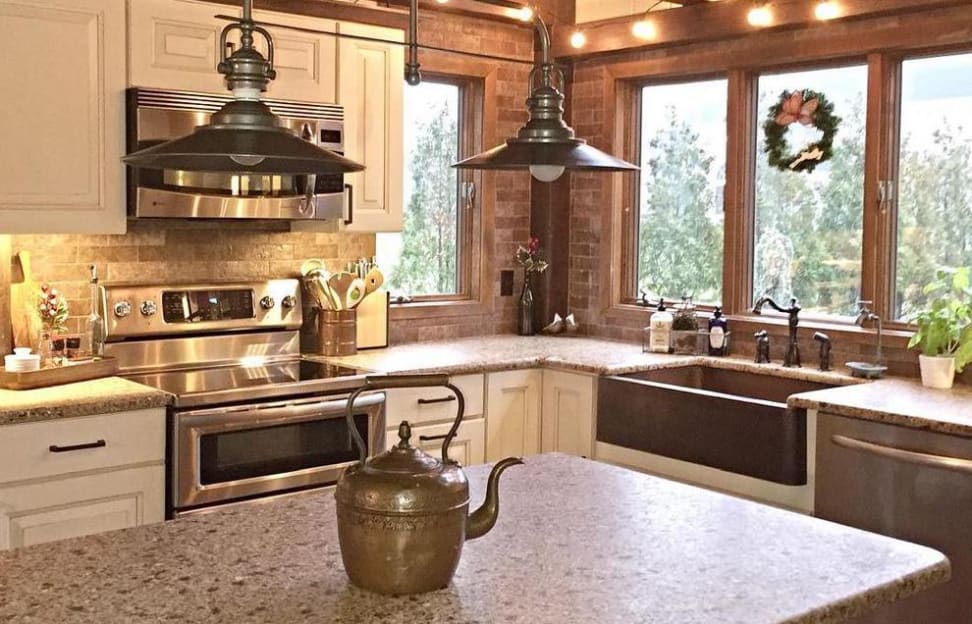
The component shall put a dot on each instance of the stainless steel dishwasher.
(909, 484)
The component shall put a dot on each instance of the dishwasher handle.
(956, 464)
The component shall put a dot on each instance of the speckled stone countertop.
(98, 396)
(611, 546)
(587, 355)
(898, 402)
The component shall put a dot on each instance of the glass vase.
(526, 308)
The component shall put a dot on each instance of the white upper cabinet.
(63, 122)
(370, 86)
(174, 44)
(305, 62)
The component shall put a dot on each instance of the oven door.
(229, 453)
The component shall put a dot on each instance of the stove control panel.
(189, 309)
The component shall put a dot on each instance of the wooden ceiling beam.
(714, 21)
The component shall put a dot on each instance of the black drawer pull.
(77, 447)
(424, 438)
(442, 400)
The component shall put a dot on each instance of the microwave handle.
(350, 189)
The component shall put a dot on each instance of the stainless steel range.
(250, 417)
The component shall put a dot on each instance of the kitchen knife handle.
(439, 400)
(350, 189)
(77, 447)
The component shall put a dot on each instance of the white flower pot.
(937, 371)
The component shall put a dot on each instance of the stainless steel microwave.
(155, 116)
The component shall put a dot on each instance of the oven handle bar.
(255, 415)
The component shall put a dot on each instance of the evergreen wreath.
(807, 107)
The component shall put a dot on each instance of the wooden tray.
(57, 375)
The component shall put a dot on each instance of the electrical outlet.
(506, 283)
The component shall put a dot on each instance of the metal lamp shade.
(573, 154)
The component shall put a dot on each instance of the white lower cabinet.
(75, 506)
(567, 422)
(468, 447)
(512, 414)
(78, 476)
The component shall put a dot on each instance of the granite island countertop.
(84, 398)
(611, 546)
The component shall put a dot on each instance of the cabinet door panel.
(175, 44)
(63, 120)
(568, 413)
(370, 87)
(512, 414)
(83, 505)
(306, 63)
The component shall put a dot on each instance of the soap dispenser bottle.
(661, 329)
(718, 333)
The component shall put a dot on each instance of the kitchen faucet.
(792, 357)
(868, 370)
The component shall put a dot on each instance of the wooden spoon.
(340, 283)
(373, 280)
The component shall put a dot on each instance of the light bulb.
(578, 39)
(760, 16)
(827, 10)
(546, 173)
(643, 29)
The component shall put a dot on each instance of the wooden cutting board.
(23, 303)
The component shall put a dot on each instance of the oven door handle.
(215, 419)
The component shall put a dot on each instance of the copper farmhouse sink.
(732, 420)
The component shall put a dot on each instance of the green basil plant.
(945, 328)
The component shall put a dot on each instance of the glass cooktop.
(251, 381)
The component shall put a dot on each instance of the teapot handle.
(388, 382)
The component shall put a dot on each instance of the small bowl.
(866, 370)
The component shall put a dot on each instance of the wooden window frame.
(882, 44)
(477, 82)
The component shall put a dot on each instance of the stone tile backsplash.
(183, 251)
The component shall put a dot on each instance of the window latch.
(885, 194)
(468, 193)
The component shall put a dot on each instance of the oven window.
(267, 451)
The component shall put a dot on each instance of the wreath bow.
(795, 109)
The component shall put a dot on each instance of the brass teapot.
(402, 516)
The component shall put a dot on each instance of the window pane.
(809, 228)
(423, 258)
(935, 191)
(683, 154)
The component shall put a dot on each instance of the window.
(809, 229)
(935, 179)
(425, 258)
(683, 164)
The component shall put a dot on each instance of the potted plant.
(944, 332)
(685, 329)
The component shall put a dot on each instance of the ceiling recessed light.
(827, 10)
(760, 16)
(578, 39)
(644, 29)
(524, 13)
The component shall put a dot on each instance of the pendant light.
(244, 136)
(546, 145)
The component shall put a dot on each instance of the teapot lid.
(404, 479)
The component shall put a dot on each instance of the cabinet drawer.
(468, 447)
(413, 404)
(35, 513)
(46, 449)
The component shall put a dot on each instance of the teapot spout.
(479, 522)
